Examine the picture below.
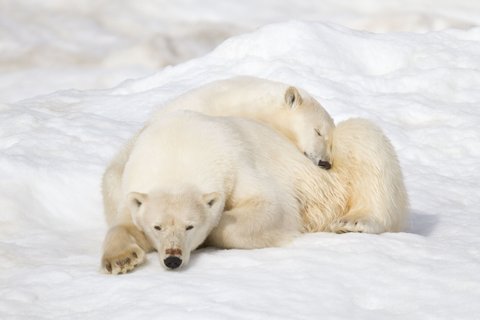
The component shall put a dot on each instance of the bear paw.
(344, 226)
(124, 261)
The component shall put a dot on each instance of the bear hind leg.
(351, 224)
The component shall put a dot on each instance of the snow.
(54, 45)
(420, 87)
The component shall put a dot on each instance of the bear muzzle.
(173, 252)
(173, 259)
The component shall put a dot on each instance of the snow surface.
(422, 89)
(49, 45)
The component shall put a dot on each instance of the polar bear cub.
(234, 183)
(289, 110)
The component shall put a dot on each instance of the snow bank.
(422, 89)
(93, 44)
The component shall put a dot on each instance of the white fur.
(265, 191)
(370, 191)
(289, 110)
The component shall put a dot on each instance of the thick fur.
(291, 111)
(264, 191)
(368, 185)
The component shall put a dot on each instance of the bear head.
(175, 224)
(312, 126)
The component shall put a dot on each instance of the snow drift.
(54, 45)
(422, 89)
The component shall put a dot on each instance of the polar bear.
(183, 171)
(235, 183)
(289, 110)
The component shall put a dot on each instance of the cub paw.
(124, 261)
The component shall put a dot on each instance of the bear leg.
(124, 249)
(356, 225)
(251, 224)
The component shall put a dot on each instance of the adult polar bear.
(238, 184)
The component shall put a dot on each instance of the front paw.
(122, 261)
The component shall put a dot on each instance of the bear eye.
(189, 228)
(318, 132)
(157, 228)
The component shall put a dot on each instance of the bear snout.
(172, 262)
(173, 252)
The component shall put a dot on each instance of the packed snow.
(421, 88)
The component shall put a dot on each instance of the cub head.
(175, 224)
(312, 126)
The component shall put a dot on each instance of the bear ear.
(211, 199)
(293, 97)
(136, 200)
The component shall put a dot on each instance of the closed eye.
(318, 132)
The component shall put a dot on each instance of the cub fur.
(291, 111)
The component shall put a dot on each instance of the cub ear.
(293, 97)
(136, 200)
(211, 199)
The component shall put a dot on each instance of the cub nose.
(172, 262)
(324, 164)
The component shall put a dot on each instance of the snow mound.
(422, 89)
(54, 45)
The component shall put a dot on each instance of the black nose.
(324, 164)
(172, 262)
